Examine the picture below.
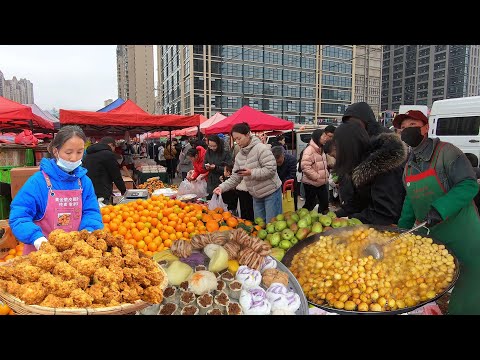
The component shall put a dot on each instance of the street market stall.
(257, 120)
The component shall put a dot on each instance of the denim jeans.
(269, 206)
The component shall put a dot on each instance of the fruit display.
(14, 252)
(285, 230)
(333, 272)
(152, 184)
(155, 224)
(83, 270)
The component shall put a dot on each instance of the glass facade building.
(422, 74)
(304, 84)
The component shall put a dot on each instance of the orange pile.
(152, 225)
(12, 253)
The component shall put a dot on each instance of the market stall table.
(142, 177)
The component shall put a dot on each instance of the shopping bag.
(287, 201)
(199, 188)
(217, 202)
(185, 187)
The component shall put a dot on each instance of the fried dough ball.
(127, 248)
(32, 293)
(53, 301)
(68, 254)
(46, 261)
(131, 259)
(82, 281)
(83, 235)
(136, 287)
(147, 263)
(48, 247)
(95, 291)
(65, 271)
(6, 272)
(104, 275)
(98, 244)
(86, 266)
(61, 239)
(100, 234)
(112, 296)
(69, 302)
(25, 272)
(116, 251)
(136, 274)
(112, 240)
(49, 282)
(109, 259)
(129, 295)
(13, 287)
(118, 271)
(81, 298)
(82, 248)
(152, 295)
(155, 277)
(64, 288)
(3, 285)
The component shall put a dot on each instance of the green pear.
(270, 228)
(317, 227)
(308, 218)
(280, 217)
(288, 234)
(285, 244)
(275, 240)
(294, 227)
(332, 214)
(302, 212)
(258, 220)
(354, 221)
(262, 234)
(314, 214)
(339, 222)
(302, 223)
(277, 253)
(280, 225)
(302, 233)
(294, 240)
(325, 220)
(295, 217)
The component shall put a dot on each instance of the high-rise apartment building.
(368, 75)
(2, 84)
(20, 91)
(300, 83)
(135, 75)
(422, 74)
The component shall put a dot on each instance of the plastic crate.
(5, 174)
(5, 207)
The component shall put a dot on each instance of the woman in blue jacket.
(59, 196)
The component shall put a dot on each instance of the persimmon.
(211, 225)
(232, 222)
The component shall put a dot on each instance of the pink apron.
(63, 211)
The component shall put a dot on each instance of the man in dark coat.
(103, 168)
(362, 114)
(286, 168)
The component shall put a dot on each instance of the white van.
(457, 121)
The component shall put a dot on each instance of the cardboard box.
(128, 183)
(19, 176)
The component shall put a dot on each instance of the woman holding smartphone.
(256, 165)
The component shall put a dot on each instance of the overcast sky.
(75, 77)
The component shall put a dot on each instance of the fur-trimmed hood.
(387, 151)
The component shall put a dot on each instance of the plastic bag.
(185, 187)
(199, 188)
(217, 202)
(26, 137)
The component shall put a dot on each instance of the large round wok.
(287, 260)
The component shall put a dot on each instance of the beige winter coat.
(259, 159)
(314, 165)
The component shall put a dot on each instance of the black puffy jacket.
(364, 112)
(103, 170)
(374, 192)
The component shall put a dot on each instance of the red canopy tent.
(15, 116)
(126, 117)
(257, 120)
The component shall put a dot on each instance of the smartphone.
(237, 171)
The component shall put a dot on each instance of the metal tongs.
(376, 249)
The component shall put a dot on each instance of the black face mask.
(412, 136)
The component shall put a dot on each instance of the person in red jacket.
(197, 157)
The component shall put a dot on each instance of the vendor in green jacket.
(441, 185)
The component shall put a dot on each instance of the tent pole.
(171, 161)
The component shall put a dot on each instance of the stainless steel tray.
(287, 260)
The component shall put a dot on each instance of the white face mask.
(68, 166)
